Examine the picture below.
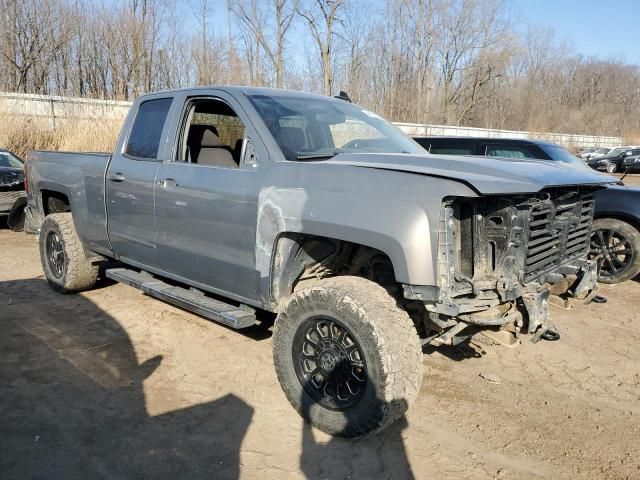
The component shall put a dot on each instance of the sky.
(602, 28)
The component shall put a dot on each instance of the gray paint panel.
(79, 176)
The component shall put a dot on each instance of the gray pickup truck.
(231, 201)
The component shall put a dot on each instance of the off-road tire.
(633, 235)
(389, 342)
(78, 271)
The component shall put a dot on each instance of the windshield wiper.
(316, 156)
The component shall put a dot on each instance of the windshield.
(560, 154)
(310, 128)
(602, 150)
(615, 151)
(9, 160)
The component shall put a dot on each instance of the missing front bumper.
(528, 314)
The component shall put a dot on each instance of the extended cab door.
(130, 181)
(207, 199)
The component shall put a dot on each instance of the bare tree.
(468, 28)
(322, 18)
(268, 23)
(33, 34)
(427, 61)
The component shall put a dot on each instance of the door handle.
(117, 177)
(168, 182)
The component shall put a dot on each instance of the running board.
(189, 299)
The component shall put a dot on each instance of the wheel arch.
(630, 219)
(295, 252)
(54, 201)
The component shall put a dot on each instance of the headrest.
(204, 135)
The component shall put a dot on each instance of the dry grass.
(20, 135)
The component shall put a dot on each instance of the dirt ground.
(113, 384)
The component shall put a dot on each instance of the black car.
(615, 241)
(497, 147)
(613, 161)
(631, 164)
(12, 194)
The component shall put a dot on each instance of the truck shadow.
(73, 404)
(381, 456)
(457, 353)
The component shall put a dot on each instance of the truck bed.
(80, 177)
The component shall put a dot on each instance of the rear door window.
(451, 150)
(451, 147)
(146, 132)
(508, 151)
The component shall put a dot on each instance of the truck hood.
(488, 176)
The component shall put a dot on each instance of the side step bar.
(192, 300)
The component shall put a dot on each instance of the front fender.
(402, 225)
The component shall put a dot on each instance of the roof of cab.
(244, 90)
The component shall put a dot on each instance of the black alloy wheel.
(329, 363)
(55, 254)
(613, 250)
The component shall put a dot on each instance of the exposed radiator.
(559, 231)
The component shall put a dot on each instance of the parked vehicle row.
(615, 241)
(230, 200)
(614, 160)
(594, 152)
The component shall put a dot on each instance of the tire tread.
(80, 273)
(393, 331)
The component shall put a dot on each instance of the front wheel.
(612, 168)
(616, 246)
(347, 357)
(63, 258)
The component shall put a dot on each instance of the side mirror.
(249, 154)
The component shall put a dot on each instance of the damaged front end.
(501, 259)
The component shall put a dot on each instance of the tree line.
(456, 62)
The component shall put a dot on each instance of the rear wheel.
(348, 358)
(616, 246)
(62, 255)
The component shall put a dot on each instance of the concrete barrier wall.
(568, 140)
(53, 109)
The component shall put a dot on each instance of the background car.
(615, 238)
(631, 163)
(586, 153)
(599, 152)
(517, 148)
(12, 194)
(612, 162)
